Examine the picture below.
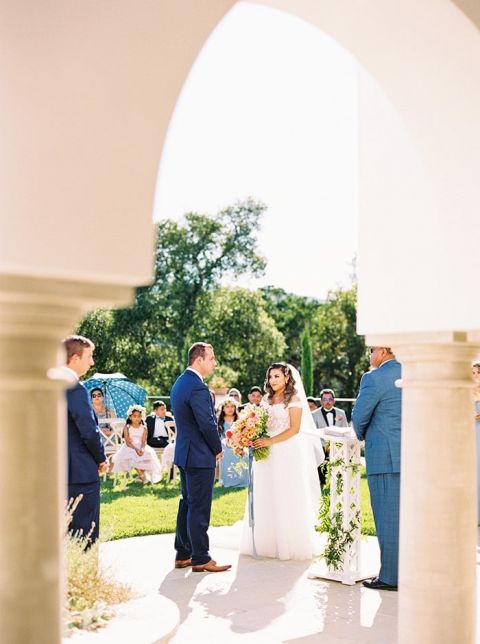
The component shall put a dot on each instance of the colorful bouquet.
(250, 425)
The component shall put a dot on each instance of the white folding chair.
(112, 442)
(170, 427)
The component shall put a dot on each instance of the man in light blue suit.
(197, 448)
(376, 418)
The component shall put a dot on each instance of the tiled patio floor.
(257, 601)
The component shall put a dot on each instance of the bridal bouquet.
(250, 425)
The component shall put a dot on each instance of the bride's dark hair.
(290, 390)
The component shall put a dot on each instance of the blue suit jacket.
(197, 441)
(377, 418)
(85, 449)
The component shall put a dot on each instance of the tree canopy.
(188, 301)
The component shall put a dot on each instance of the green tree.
(243, 334)
(339, 354)
(292, 314)
(194, 255)
(147, 341)
(306, 363)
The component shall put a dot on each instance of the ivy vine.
(339, 536)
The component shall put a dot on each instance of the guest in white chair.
(102, 412)
(135, 453)
(157, 431)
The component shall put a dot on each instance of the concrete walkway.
(257, 601)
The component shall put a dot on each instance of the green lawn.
(141, 510)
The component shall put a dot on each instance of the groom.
(197, 450)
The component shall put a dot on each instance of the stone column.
(438, 487)
(34, 316)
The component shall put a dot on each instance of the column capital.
(49, 308)
(456, 338)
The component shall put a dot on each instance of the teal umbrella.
(118, 390)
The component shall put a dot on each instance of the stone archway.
(89, 90)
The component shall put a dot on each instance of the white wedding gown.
(286, 497)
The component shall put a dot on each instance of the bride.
(286, 486)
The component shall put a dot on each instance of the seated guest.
(157, 432)
(327, 416)
(134, 452)
(233, 470)
(236, 395)
(312, 403)
(102, 412)
(255, 396)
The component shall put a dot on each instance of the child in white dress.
(134, 452)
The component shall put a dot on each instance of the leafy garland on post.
(339, 538)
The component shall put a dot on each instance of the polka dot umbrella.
(118, 390)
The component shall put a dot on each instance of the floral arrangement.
(139, 408)
(250, 425)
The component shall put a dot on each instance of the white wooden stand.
(346, 449)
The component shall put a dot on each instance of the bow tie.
(329, 411)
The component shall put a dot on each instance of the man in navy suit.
(197, 449)
(376, 419)
(86, 456)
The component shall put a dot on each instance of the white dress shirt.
(160, 429)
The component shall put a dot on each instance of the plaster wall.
(88, 89)
(419, 157)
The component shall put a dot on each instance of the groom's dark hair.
(197, 350)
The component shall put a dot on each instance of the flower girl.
(135, 453)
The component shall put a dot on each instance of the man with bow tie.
(327, 415)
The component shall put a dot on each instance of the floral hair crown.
(139, 408)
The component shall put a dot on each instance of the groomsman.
(86, 456)
(376, 419)
(327, 415)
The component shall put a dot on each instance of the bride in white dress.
(286, 485)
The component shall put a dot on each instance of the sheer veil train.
(312, 450)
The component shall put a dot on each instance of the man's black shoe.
(376, 584)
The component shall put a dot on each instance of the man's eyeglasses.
(97, 395)
(328, 399)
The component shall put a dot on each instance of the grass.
(368, 525)
(141, 510)
(152, 509)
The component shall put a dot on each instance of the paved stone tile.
(262, 601)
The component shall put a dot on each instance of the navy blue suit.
(196, 445)
(376, 418)
(85, 453)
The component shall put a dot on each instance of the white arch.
(87, 93)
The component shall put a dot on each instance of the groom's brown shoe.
(183, 563)
(210, 566)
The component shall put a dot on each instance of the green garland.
(339, 538)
